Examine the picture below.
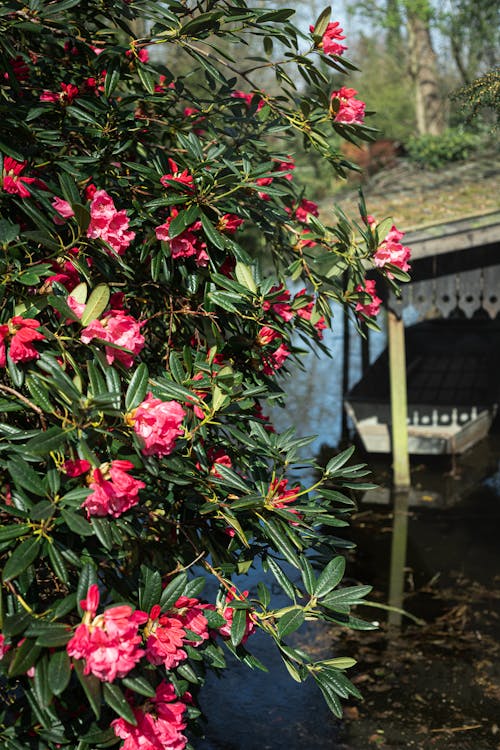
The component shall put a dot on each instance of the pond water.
(451, 561)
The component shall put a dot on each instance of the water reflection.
(445, 531)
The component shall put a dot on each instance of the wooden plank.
(398, 556)
(464, 234)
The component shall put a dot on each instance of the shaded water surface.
(435, 684)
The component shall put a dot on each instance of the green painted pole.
(398, 556)
(399, 409)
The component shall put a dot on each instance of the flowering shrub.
(140, 340)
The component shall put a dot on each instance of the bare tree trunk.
(423, 69)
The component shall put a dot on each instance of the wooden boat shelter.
(455, 267)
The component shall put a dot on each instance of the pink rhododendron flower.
(217, 456)
(114, 490)
(76, 468)
(165, 637)
(279, 496)
(63, 208)
(108, 643)
(11, 181)
(118, 328)
(159, 723)
(350, 110)
(141, 54)
(266, 335)
(280, 304)
(328, 43)
(66, 96)
(184, 180)
(285, 166)
(187, 244)
(229, 223)
(22, 333)
(391, 250)
(263, 181)
(228, 613)
(75, 306)
(247, 98)
(20, 69)
(372, 307)
(191, 614)
(109, 224)
(305, 209)
(306, 312)
(157, 424)
(276, 360)
(4, 647)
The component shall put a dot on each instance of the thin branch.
(34, 407)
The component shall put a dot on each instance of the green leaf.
(97, 303)
(59, 672)
(282, 578)
(329, 694)
(25, 656)
(245, 276)
(137, 388)
(88, 576)
(39, 393)
(112, 76)
(46, 442)
(139, 685)
(278, 536)
(173, 591)
(77, 523)
(13, 531)
(41, 687)
(194, 587)
(331, 576)
(91, 686)
(24, 476)
(150, 591)
(176, 368)
(21, 558)
(232, 479)
(214, 619)
(339, 460)
(290, 621)
(186, 670)
(102, 529)
(349, 595)
(238, 626)
(117, 701)
(307, 575)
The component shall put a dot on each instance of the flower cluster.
(228, 613)
(159, 723)
(120, 329)
(157, 424)
(372, 307)
(108, 643)
(21, 332)
(391, 250)
(346, 109)
(187, 244)
(114, 491)
(108, 224)
(274, 360)
(11, 180)
(330, 39)
(166, 633)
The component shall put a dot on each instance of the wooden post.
(397, 374)
(345, 370)
(398, 555)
